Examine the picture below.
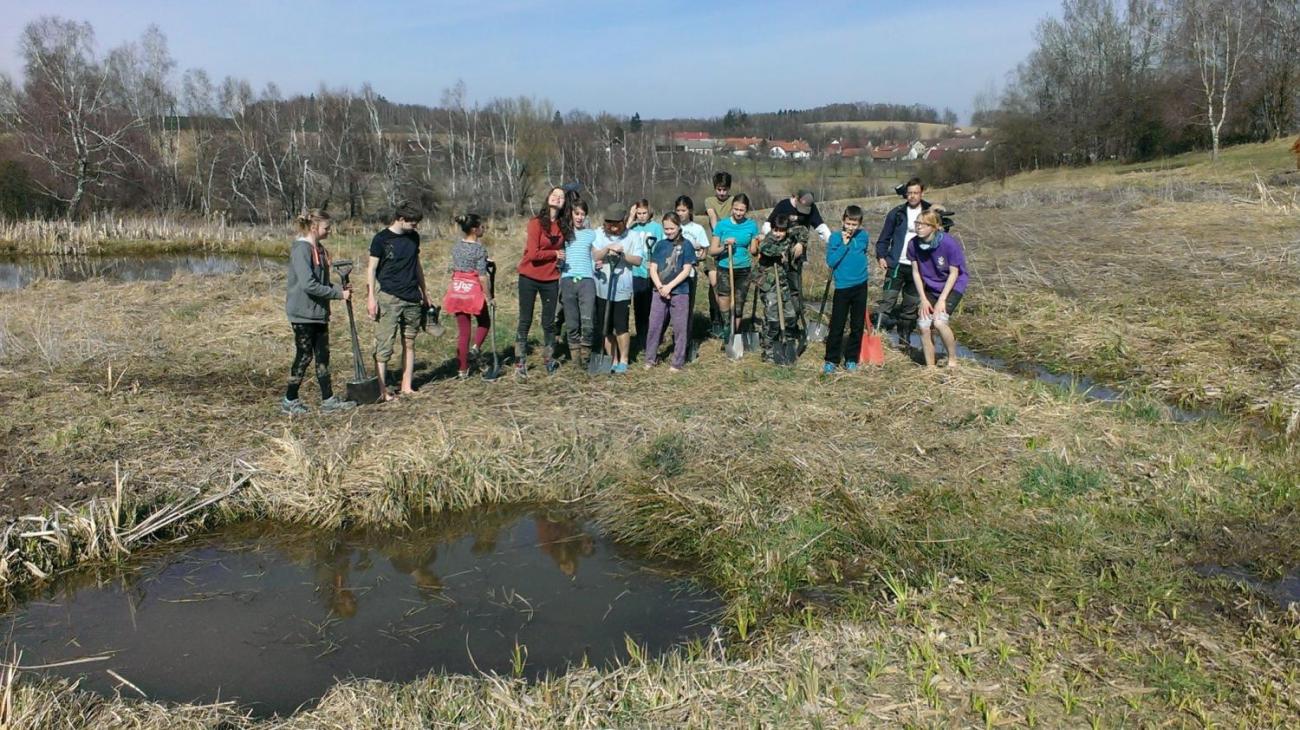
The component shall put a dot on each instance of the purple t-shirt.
(935, 264)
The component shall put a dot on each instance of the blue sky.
(661, 59)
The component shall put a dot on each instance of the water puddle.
(272, 616)
(18, 273)
(1285, 591)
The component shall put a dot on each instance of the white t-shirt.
(912, 215)
(694, 232)
(633, 243)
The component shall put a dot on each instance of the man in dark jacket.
(891, 257)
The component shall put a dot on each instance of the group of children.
(639, 268)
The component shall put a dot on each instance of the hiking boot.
(293, 407)
(335, 404)
(828, 368)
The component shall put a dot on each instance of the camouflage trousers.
(789, 304)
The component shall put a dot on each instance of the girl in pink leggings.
(466, 296)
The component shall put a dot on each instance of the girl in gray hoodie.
(307, 304)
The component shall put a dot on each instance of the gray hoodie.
(309, 292)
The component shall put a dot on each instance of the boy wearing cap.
(397, 296)
(803, 218)
(615, 252)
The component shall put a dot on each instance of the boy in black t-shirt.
(397, 294)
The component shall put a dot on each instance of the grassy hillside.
(1171, 277)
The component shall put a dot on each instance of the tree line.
(124, 130)
(1140, 79)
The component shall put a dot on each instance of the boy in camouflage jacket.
(778, 256)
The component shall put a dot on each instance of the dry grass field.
(894, 548)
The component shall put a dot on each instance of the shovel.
(735, 346)
(494, 370)
(361, 389)
(817, 330)
(750, 336)
(430, 321)
(872, 351)
(601, 363)
(786, 352)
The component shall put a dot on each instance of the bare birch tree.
(1217, 35)
(64, 116)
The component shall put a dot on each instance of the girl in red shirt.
(539, 274)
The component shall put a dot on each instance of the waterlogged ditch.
(1080, 384)
(1283, 591)
(18, 273)
(272, 616)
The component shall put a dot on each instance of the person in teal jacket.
(846, 255)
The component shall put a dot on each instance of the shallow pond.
(271, 616)
(17, 273)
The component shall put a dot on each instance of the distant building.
(957, 144)
(838, 149)
(700, 143)
(780, 149)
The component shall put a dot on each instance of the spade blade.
(364, 391)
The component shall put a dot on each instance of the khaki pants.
(396, 316)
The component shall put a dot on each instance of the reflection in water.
(272, 615)
(17, 273)
(565, 542)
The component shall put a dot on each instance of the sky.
(662, 59)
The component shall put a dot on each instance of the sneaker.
(335, 404)
(851, 367)
(619, 369)
(293, 407)
(828, 368)
(462, 375)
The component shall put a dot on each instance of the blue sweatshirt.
(848, 261)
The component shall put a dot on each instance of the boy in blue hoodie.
(846, 255)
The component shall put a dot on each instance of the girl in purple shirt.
(939, 271)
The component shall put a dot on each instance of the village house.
(700, 143)
(741, 146)
(895, 152)
(838, 149)
(780, 149)
(956, 144)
